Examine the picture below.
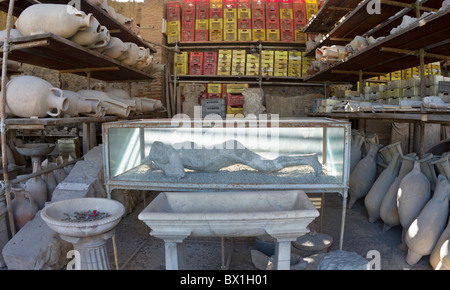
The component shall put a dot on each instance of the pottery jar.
(13, 33)
(37, 187)
(93, 37)
(435, 253)
(355, 150)
(443, 165)
(113, 106)
(77, 105)
(30, 96)
(119, 93)
(60, 173)
(116, 49)
(388, 207)
(428, 170)
(380, 187)
(413, 193)
(444, 263)
(425, 230)
(59, 19)
(134, 53)
(363, 176)
(23, 207)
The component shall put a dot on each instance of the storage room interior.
(225, 135)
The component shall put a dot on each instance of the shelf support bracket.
(414, 52)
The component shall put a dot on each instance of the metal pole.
(2, 113)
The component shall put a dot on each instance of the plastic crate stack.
(235, 99)
(229, 20)
(267, 62)
(238, 62)
(224, 60)
(216, 20)
(252, 64)
(181, 63)
(258, 20)
(272, 20)
(173, 22)
(311, 8)
(244, 21)
(202, 20)
(299, 11)
(286, 21)
(196, 63)
(295, 64)
(281, 64)
(188, 21)
(209, 63)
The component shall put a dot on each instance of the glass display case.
(183, 154)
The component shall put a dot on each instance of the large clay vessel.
(388, 207)
(443, 165)
(444, 253)
(95, 36)
(37, 188)
(380, 187)
(115, 49)
(363, 176)
(355, 150)
(78, 105)
(30, 96)
(59, 19)
(413, 193)
(425, 230)
(113, 107)
(427, 168)
(435, 253)
(23, 207)
(134, 54)
(119, 93)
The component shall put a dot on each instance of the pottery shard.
(342, 260)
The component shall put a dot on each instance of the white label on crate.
(72, 186)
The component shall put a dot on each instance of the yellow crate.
(310, 12)
(282, 54)
(236, 88)
(235, 110)
(230, 34)
(239, 53)
(214, 88)
(201, 24)
(267, 54)
(223, 70)
(215, 24)
(286, 14)
(258, 34)
(252, 58)
(273, 34)
(295, 55)
(238, 70)
(215, 35)
(244, 13)
(173, 26)
(229, 24)
(295, 72)
(229, 13)
(173, 37)
(182, 69)
(181, 58)
(299, 35)
(244, 34)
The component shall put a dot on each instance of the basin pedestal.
(92, 250)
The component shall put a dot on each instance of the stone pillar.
(174, 247)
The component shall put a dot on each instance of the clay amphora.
(115, 49)
(363, 176)
(30, 96)
(413, 193)
(49, 179)
(59, 19)
(23, 207)
(95, 36)
(388, 207)
(149, 105)
(113, 106)
(388, 151)
(37, 188)
(78, 105)
(119, 93)
(435, 253)
(380, 187)
(428, 170)
(444, 253)
(134, 54)
(355, 150)
(358, 43)
(443, 165)
(60, 173)
(425, 230)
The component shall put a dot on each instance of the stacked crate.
(196, 63)
(267, 62)
(216, 20)
(209, 63)
(188, 21)
(214, 91)
(235, 99)
(244, 20)
(299, 11)
(258, 20)
(286, 21)
(173, 22)
(311, 8)
(295, 64)
(281, 64)
(201, 20)
(252, 64)
(238, 63)
(272, 20)
(224, 62)
(213, 106)
(229, 20)
(181, 63)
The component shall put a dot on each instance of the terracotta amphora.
(37, 187)
(427, 168)
(78, 105)
(380, 187)
(95, 36)
(30, 96)
(59, 19)
(23, 207)
(134, 54)
(444, 253)
(443, 165)
(424, 231)
(435, 253)
(355, 150)
(113, 106)
(363, 176)
(115, 49)
(388, 207)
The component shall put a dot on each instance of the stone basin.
(284, 215)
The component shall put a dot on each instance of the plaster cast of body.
(173, 161)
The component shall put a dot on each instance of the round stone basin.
(55, 213)
(35, 149)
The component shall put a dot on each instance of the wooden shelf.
(191, 45)
(275, 80)
(54, 52)
(430, 34)
(115, 27)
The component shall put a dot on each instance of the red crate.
(272, 14)
(287, 24)
(215, 13)
(188, 15)
(188, 4)
(272, 5)
(196, 57)
(321, 3)
(213, 96)
(195, 69)
(299, 24)
(188, 25)
(209, 69)
(258, 13)
(244, 4)
(235, 100)
(173, 11)
(258, 4)
(259, 23)
(201, 35)
(209, 57)
(188, 35)
(229, 4)
(244, 24)
(285, 4)
(298, 1)
(202, 11)
(299, 11)
(287, 35)
(272, 24)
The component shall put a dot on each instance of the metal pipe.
(2, 116)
